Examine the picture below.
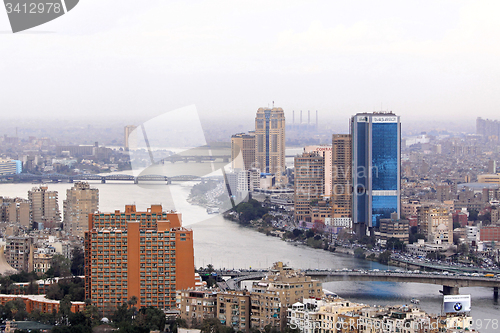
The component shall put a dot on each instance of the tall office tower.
(308, 183)
(341, 176)
(44, 207)
(81, 200)
(244, 145)
(270, 141)
(326, 152)
(143, 254)
(376, 156)
(128, 130)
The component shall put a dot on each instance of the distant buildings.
(81, 200)
(488, 127)
(270, 141)
(128, 129)
(44, 207)
(148, 255)
(243, 151)
(376, 155)
(10, 167)
(15, 211)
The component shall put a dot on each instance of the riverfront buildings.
(309, 183)
(10, 167)
(341, 176)
(81, 200)
(270, 141)
(376, 156)
(44, 207)
(148, 255)
(128, 130)
(243, 151)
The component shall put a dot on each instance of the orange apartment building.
(39, 302)
(148, 255)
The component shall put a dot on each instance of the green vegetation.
(384, 257)
(359, 253)
(250, 210)
(396, 244)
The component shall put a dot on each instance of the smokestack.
(300, 117)
(308, 118)
(316, 120)
(293, 118)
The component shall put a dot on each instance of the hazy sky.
(137, 59)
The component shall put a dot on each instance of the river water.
(225, 244)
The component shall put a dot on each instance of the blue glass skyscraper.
(376, 154)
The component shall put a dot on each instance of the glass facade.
(376, 175)
(385, 156)
(383, 207)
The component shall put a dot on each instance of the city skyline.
(420, 60)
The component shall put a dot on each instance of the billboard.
(456, 303)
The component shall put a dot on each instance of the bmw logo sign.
(457, 307)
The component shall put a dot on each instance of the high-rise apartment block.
(376, 156)
(143, 254)
(81, 200)
(308, 183)
(272, 295)
(243, 151)
(15, 211)
(19, 252)
(341, 176)
(326, 152)
(488, 128)
(270, 141)
(44, 207)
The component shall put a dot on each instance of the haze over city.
(427, 60)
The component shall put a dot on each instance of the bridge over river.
(55, 177)
(451, 282)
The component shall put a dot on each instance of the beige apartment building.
(308, 183)
(197, 305)
(341, 176)
(271, 296)
(233, 309)
(243, 151)
(270, 141)
(81, 200)
(44, 207)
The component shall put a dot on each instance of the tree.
(384, 257)
(359, 253)
(473, 214)
(59, 267)
(396, 244)
(77, 262)
(309, 233)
